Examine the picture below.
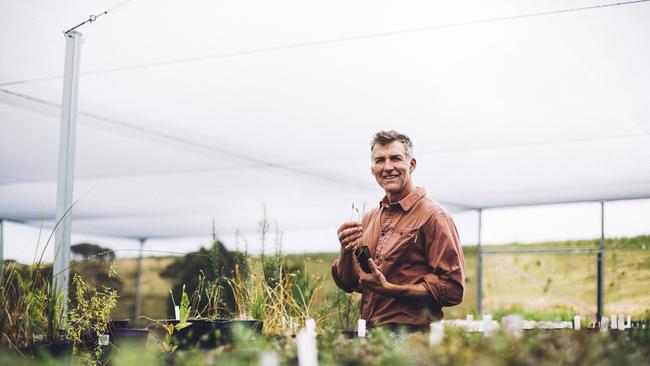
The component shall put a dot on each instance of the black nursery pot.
(57, 350)
(118, 324)
(255, 325)
(130, 336)
(202, 333)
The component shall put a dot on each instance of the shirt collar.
(407, 202)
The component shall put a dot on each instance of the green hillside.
(538, 284)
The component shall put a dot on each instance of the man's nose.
(388, 166)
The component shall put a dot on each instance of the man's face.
(391, 167)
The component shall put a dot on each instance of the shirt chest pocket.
(399, 244)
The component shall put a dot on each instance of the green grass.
(545, 284)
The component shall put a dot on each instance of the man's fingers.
(350, 235)
(373, 266)
(347, 225)
(351, 238)
(351, 231)
(363, 277)
(351, 246)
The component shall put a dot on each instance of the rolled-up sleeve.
(347, 284)
(446, 282)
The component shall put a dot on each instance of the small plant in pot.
(30, 310)
(250, 302)
(195, 328)
(88, 316)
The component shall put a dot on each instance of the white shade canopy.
(197, 111)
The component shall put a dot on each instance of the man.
(417, 264)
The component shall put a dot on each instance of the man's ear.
(413, 164)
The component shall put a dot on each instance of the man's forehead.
(392, 149)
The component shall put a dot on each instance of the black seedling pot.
(201, 333)
(255, 325)
(131, 336)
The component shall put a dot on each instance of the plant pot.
(201, 333)
(53, 350)
(130, 336)
(118, 323)
(255, 325)
(349, 334)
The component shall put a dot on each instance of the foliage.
(215, 264)
(26, 300)
(92, 251)
(384, 347)
(348, 309)
(89, 313)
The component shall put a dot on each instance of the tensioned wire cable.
(328, 41)
(92, 18)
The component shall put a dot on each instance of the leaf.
(184, 308)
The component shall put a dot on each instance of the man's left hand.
(375, 280)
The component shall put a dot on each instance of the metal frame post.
(138, 278)
(61, 271)
(479, 267)
(600, 290)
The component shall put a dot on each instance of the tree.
(92, 251)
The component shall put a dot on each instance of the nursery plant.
(88, 315)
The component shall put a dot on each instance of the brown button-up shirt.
(412, 241)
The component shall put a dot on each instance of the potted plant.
(89, 315)
(196, 326)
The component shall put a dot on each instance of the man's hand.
(375, 280)
(349, 234)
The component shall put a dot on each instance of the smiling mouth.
(389, 176)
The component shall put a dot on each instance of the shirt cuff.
(340, 283)
(436, 288)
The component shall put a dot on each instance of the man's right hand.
(349, 234)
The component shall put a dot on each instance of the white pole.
(65, 180)
(138, 280)
(479, 267)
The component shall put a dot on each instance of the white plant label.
(361, 328)
(436, 333)
(310, 325)
(269, 358)
(177, 312)
(103, 339)
(603, 324)
(576, 322)
(614, 322)
(469, 322)
(307, 351)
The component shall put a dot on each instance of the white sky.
(504, 225)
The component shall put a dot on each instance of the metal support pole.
(479, 267)
(60, 269)
(2, 249)
(600, 292)
(138, 278)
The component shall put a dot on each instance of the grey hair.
(388, 137)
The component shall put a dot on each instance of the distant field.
(541, 285)
(155, 290)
